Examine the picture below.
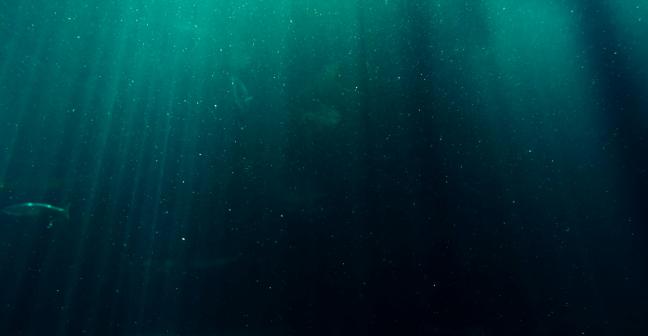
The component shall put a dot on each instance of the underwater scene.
(323, 167)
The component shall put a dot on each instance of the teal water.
(324, 167)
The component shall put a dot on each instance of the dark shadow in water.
(625, 96)
(624, 99)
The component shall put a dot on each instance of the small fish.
(242, 98)
(30, 209)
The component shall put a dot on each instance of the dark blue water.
(397, 167)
